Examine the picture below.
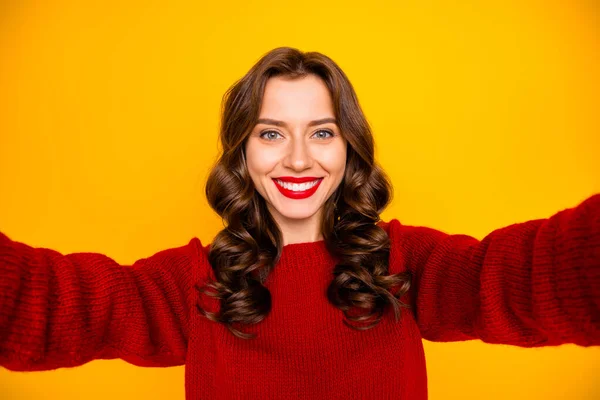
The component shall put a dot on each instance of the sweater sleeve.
(530, 284)
(65, 310)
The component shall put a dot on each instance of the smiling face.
(296, 155)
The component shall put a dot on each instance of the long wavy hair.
(244, 253)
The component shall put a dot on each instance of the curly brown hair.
(244, 253)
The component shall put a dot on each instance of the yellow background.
(484, 113)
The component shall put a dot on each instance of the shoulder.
(200, 249)
(200, 252)
(400, 233)
(409, 243)
(185, 261)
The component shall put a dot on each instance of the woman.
(305, 293)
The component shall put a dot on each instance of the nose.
(298, 156)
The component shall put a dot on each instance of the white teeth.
(297, 187)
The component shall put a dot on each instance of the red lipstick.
(295, 194)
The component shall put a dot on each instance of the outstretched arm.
(66, 310)
(535, 283)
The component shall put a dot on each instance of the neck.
(299, 230)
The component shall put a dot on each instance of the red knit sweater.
(530, 284)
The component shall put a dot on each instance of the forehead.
(298, 99)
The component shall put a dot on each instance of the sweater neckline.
(304, 244)
(306, 253)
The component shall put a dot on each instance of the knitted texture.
(535, 283)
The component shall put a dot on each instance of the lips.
(297, 194)
(293, 179)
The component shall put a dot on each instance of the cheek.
(334, 160)
(260, 161)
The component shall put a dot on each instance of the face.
(296, 155)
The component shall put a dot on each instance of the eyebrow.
(270, 121)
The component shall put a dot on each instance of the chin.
(298, 212)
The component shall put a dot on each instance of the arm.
(66, 310)
(530, 284)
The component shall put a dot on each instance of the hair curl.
(244, 253)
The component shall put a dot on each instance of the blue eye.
(273, 135)
(270, 135)
(325, 132)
